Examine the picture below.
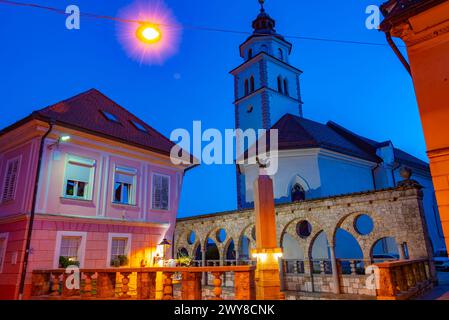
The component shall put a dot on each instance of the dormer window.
(110, 116)
(139, 126)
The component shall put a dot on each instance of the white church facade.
(315, 160)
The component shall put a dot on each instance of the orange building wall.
(427, 38)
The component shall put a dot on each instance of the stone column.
(268, 284)
(203, 261)
(335, 276)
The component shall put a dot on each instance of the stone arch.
(226, 253)
(212, 234)
(291, 248)
(391, 249)
(347, 223)
(245, 236)
(313, 242)
(196, 253)
(290, 228)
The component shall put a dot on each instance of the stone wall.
(396, 213)
(349, 284)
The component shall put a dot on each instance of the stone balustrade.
(114, 283)
(404, 279)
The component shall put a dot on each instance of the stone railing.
(113, 283)
(404, 279)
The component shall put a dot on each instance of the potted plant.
(184, 260)
(119, 261)
(65, 262)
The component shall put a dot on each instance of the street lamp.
(60, 139)
(148, 33)
(165, 245)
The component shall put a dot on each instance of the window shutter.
(164, 192)
(78, 172)
(160, 192)
(12, 171)
(125, 175)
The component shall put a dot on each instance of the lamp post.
(165, 245)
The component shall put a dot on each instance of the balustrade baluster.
(87, 290)
(322, 270)
(167, 286)
(55, 283)
(353, 265)
(217, 285)
(40, 284)
(125, 287)
(106, 284)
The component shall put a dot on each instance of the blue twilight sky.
(364, 88)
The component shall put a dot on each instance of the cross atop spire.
(261, 5)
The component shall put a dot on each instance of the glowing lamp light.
(278, 255)
(261, 256)
(154, 37)
(148, 33)
(64, 138)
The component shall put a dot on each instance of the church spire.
(264, 24)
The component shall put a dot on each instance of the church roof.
(95, 113)
(300, 133)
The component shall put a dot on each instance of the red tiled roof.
(83, 112)
(396, 11)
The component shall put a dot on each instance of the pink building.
(107, 192)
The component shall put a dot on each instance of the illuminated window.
(79, 178)
(70, 248)
(9, 187)
(124, 185)
(161, 186)
(119, 245)
(110, 116)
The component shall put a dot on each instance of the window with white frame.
(3, 244)
(118, 249)
(125, 185)
(9, 187)
(79, 175)
(70, 248)
(161, 192)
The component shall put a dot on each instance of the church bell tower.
(266, 86)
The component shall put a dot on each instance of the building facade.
(424, 28)
(107, 192)
(315, 160)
